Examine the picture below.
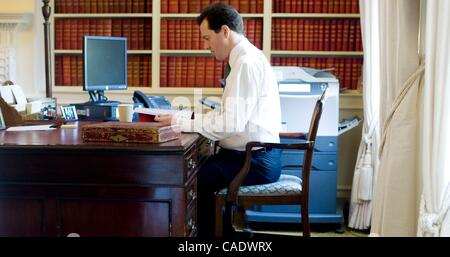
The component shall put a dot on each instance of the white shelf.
(130, 90)
(103, 15)
(189, 52)
(195, 15)
(316, 15)
(317, 53)
(61, 52)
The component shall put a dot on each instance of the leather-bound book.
(129, 132)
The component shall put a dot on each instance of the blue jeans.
(218, 172)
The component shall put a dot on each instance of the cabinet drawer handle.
(73, 235)
(191, 225)
(192, 195)
(191, 164)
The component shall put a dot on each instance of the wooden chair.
(231, 202)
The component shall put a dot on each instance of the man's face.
(216, 42)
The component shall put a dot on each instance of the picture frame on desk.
(2, 121)
(69, 112)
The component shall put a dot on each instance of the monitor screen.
(105, 63)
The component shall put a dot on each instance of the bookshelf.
(164, 41)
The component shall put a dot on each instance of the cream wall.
(30, 46)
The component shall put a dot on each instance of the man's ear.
(226, 31)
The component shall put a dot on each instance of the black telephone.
(158, 102)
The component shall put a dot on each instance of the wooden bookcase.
(154, 57)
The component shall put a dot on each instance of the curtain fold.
(434, 216)
(396, 201)
(7, 53)
(367, 164)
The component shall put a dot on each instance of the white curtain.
(396, 199)
(7, 53)
(434, 219)
(367, 164)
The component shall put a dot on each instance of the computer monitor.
(105, 66)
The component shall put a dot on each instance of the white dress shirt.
(250, 103)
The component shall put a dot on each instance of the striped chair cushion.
(287, 184)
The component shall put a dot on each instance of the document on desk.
(32, 128)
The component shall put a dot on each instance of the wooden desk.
(54, 184)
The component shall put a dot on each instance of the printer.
(299, 90)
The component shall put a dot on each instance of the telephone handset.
(157, 102)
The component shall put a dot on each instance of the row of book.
(191, 71)
(69, 32)
(103, 6)
(195, 6)
(347, 70)
(317, 34)
(315, 6)
(69, 70)
(185, 34)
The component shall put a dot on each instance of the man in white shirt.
(250, 112)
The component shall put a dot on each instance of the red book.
(188, 34)
(173, 6)
(79, 62)
(184, 6)
(73, 33)
(204, 4)
(351, 36)
(178, 71)
(76, 6)
(258, 33)
(326, 34)
(73, 71)
(260, 6)
(163, 71)
(301, 35)
(171, 26)
(275, 34)
(146, 67)
(209, 71)
(287, 6)
(191, 64)
(218, 73)
(194, 6)
(184, 71)
(164, 6)
(59, 34)
(177, 34)
(58, 71)
(197, 42)
(283, 34)
(358, 39)
(345, 35)
(141, 34)
(148, 34)
(200, 72)
(129, 132)
(235, 4)
(171, 71)
(116, 27)
(94, 8)
(163, 35)
(289, 34)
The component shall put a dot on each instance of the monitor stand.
(97, 97)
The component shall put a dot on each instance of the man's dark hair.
(220, 14)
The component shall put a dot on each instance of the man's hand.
(164, 119)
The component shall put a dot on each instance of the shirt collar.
(237, 49)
